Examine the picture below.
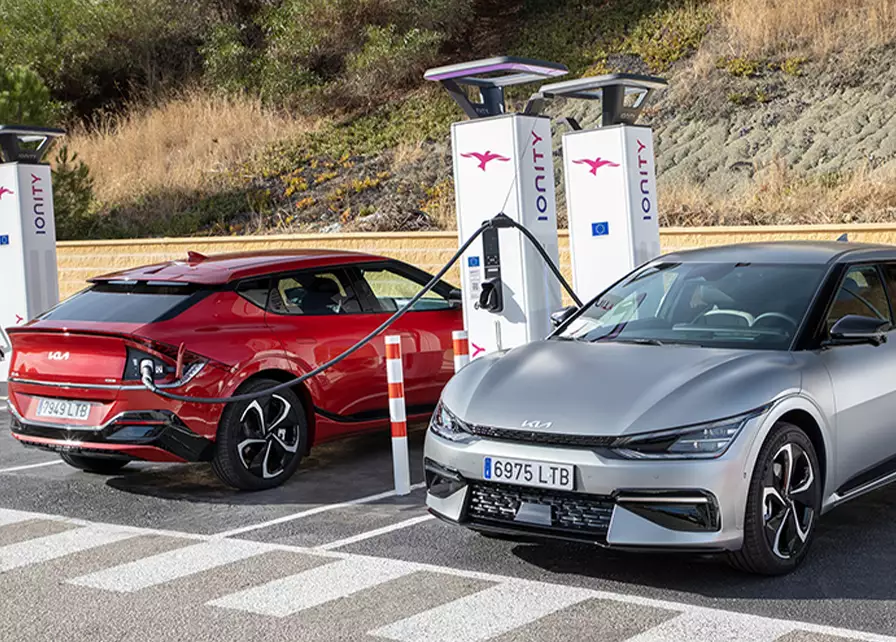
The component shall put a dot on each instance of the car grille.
(528, 436)
(583, 514)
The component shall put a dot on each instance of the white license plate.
(528, 473)
(63, 409)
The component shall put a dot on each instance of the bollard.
(461, 349)
(395, 376)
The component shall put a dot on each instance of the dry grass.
(779, 196)
(188, 144)
(819, 27)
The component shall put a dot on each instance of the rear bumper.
(154, 435)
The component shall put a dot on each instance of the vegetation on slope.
(247, 116)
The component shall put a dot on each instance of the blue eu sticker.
(4, 240)
(473, 261)
(600, 229)
(487, 468)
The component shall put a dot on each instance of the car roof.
(226, 268)
(804, 252)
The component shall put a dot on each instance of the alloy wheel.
(269, 437)
(787, 501)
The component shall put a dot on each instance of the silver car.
(713, 400)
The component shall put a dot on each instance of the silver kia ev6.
(715, 400)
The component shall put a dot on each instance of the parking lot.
(167, 552)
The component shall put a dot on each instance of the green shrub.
(741, 67)
(73, 199)
(25, 99)
(670, 34)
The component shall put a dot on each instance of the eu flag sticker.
(600, 229)
(4, 240)
(487, 468)
(473, 261)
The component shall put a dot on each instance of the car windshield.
(725, 305)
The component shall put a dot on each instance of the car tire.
(783, 504)
(99, 465)
(260, 442)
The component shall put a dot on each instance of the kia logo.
(486, 158)
(58, 356)
(534, 423)
(595, 164)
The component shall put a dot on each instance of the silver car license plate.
(529, 473)
(64, 409)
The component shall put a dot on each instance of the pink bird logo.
(3, 191)
(486, 158)
(595, 164)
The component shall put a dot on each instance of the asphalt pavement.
(167, 552)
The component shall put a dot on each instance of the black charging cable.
(499, 221)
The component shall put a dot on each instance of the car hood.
(615, 388)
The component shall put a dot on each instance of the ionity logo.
(595, 164)
(486, 158)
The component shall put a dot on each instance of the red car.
(219, 326)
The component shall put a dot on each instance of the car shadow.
(334, 472)
(852, 557)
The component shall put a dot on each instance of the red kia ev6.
(219, 326)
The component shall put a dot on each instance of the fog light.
(691, 512)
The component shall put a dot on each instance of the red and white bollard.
(461, 349)
(395, 376)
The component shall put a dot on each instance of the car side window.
(313, 293)
(255, 291)
(861, 292)
(393, 290)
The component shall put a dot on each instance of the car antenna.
(195, 257)
(843, 238)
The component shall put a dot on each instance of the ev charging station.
(610, 175)
(503, 164)
(27, 229)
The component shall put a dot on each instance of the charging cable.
(500, 221)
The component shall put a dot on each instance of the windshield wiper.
(639, 341)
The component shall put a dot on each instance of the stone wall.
(80, 260)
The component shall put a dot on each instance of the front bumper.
(151, 435)
(671, 504)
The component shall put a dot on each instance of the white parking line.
(315, 587)
(485, 614)
(51, 547)
(375, 532)
(29, 466)
(168, 566)
(312, 511)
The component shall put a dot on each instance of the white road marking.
(312, 511)
(375, 532)
(170, 565)
(485, 614)
(373, 568)
(13, 517)
(43, 549)
(315, 587)
(29, 466)
(703, 627)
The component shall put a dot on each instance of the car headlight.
(701, 441)
(446, 425)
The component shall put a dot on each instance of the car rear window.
(128, 302)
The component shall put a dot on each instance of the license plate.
(529, 473)
(64, 409)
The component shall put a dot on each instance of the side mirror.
(853, 329)
(456, 298)
(559, 317)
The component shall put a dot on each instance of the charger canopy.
(490, 76)
(622, 96)
(26, 144)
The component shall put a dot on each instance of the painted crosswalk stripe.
(317, 586)
(701, 626)
(485, 614)
(171, 565)
(43, 549)
(13, 517)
